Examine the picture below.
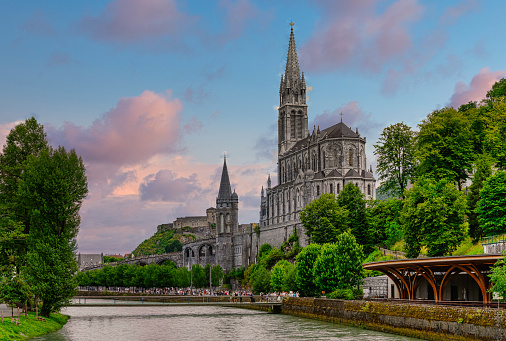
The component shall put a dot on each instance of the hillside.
(162, 242)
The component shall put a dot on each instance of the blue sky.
(151, 93)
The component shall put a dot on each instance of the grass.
(468, 248)
(30, 326)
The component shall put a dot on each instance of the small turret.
(269, 182)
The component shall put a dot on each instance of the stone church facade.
(309, 163)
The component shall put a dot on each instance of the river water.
(210, 323)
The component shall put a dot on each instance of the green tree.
(483, 165)
(396, 157)
(498, 90)
(25, 139)
(304, 263)
(384, 219)
(498, 277)
(494, 139)
(324, 219)
(491, 208)
(339, 265)
(433, 215)
(279, 274)
(52, 188)
(445, 146)
(352, 200)
(261, 280)
(216, 275)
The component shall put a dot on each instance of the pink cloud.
(136, 129)
(352, 32)
(132, 21)
(164, 186)
(477, 88)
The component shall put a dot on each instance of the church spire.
(225, 192)
(292, 71)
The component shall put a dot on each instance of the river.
(210, 323)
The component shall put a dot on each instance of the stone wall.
(430, 322)
(376, 286)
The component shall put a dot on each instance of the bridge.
(272, 306)
(175, 257)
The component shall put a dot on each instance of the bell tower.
(292, 117)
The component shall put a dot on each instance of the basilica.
(309, 163)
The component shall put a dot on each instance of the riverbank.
(429, 322)
(29, 326)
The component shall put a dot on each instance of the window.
(331, 189)
(317, 190)
(368, 189)
(338, 189)
(323, 160)
(350, 157)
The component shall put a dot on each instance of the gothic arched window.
(368, 189)
(323, 160)
(331, 189)
(350, 157)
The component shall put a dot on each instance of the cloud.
(266, 145)
(166, 187)
(193, 126)
(133, 131)
(5, 129)
(477, 88)
(353, 33)
(196, 96)
(215, 74)
(133, 22)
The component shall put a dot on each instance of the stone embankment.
(430, 322)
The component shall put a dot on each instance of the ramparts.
(430, 322)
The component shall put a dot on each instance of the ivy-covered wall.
(428, 322)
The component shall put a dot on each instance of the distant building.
(85, 260)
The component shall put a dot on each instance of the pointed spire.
(292, 71)
(303, 81)
(262, 193)
(225, 192)
(281, 85)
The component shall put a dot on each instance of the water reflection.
(200, 323)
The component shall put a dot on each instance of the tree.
(279, 274)
(304, 262)
(494, 139)
(52, 188)
(339, 265)
(25, 139)
(384, 219)
(498, 277)
(491, 208)
(352, 200)
(396, 157)
(216, 275)
(445, 146)
(261, 279)
(483, 166)
(498, 90)
(324, 219)
(433, 215)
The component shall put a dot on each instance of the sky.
(152, 93)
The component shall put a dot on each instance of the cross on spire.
(341, 116)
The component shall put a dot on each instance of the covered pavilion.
(440, 278)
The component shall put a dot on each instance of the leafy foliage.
(304, 264)
(339, 265)
(161, 242)
(384, 220)
(324, 219)
(347, 294)
(498, 277)
(279, 276)
(433, 216)
(352, 199)
(444, 146)
(396, 157)
(483, 171)
(491, 208)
